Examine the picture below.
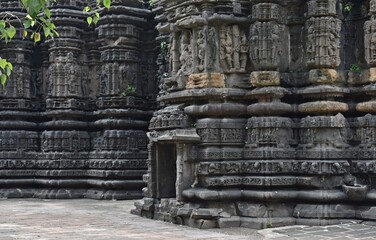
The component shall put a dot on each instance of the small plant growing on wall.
(130, 90)
(347, 6)
(355, 68)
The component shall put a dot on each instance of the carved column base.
(65, 103)
(15, 104)
(324, 137)
(323, 107)
(269, 138)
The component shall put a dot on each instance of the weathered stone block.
(324, 76)
(324, 211)
(206, 213)
(264, 78)
(206, 80)
(252, 210)
(229, 222)
(202, 223)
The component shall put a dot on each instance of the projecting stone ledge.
(181, 135)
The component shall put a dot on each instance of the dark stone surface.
(75, 111)
(276, 102)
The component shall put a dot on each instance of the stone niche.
(75, 111)
(267, 113)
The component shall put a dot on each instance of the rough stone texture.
(261, 103)
(292, 123)
(204, 80)
(75, 111)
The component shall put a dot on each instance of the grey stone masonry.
(267, 113)
(75, 111)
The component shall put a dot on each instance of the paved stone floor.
(90, 219)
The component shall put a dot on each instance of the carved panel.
(370, 42)
(322, 7)
(323, 42)
(70, 141)
(233, 49)
(265, 44)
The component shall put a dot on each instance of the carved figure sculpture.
(201, 44)
(211, 49)
(244, 48)
(185, 54)
(236, 47)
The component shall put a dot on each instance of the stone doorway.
(166, 170)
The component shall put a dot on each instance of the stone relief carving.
(234, 49)
(201, 45)
(323, 36)
(370, 42)
(65, 99)
(186, 54)
(266, 44)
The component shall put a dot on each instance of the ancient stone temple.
(74, 115)
(267, 113)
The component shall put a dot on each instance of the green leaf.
(2, 24)
(8, 71)
(97, 14)
(3, 79)
(89, 20)
(24, 33)
(47, 31)
(36, 37)
(95, 20)
(27, 23)
(11, 31)
(87, 9)
(48, 12)
(3, 63)
(107, 3)
(10, 66)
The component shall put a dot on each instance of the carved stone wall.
(75, 111)
(268, 112)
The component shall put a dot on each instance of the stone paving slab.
(103, 220)
(342, 231)
(89, 219)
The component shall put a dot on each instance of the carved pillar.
(54, 88)
(18, 127)
(65, 140)
(65, 74)
(369, 75)
(322, 58)
(123, 97)
(268, 151)
(16, 94)
(364, 168)
(268, 48)
(325, 93)
(323, 138)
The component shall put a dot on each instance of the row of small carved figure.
(71, 141)
(80, 163)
